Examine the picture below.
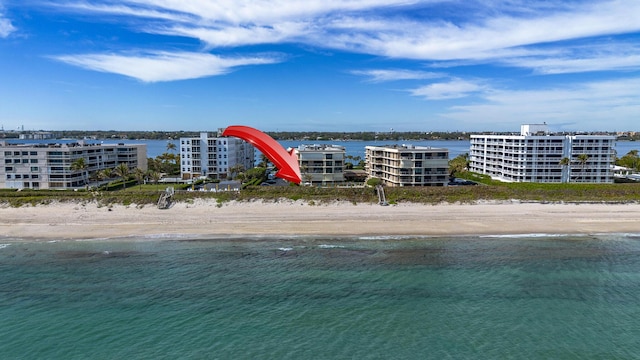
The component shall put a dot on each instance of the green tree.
(360, 164)
(95, 176)
(122, 170)
(105, 174)
(235, 170)
(140, 175)
(565, 162)
(582, 160)
(155, 177)
(630, 160)
(374, 181)
(264, 161)
(80, 165)
(458, 164)
(171, 147)
(256, 173)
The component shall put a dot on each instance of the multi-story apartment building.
(321, 164)
(408, 165)
(213, 156)
(536, 155)
(49, 166)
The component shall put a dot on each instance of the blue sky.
(326, 65)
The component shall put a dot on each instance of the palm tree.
(155, 177)
(107, 173)
(582, 160)
(95, 176)
(171, 146)
(565, 162)
(139, 174)
(80, 165)
(235, 170)
(264, 161)
(122, 170)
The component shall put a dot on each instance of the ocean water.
(523, 297)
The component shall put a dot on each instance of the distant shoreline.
(72, 221)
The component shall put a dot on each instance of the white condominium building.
(537, 156)
(408, 165)
(214, 156)
(49, 166)
(321, 164)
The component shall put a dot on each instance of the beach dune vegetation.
(489, 191)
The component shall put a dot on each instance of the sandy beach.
(90, 221)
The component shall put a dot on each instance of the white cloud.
(236, 35)
(163, 66)
(619, 56)
(6, 28)
(490, 37)
(382, 75)
(356, 26)
(239, 11)
(512, 33)
(454, 89)
(590, 105)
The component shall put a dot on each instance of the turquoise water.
(322, 298)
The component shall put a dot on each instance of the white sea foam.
(2, 246)
(550, 235)
(390, 237)
(285, 249)
(524, 236)
(327, 246)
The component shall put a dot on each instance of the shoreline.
(286, 218)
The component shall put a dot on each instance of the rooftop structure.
(49, 166)
(408, 165)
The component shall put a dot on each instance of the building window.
(8, 168)
(33, 153)
(35, 168)
(34, 161)
(7, 161)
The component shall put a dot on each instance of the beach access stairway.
(164, 202)
(382, 199)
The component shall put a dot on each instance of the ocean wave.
(393, 237)
(525, 236)
(327, 246)
(551, 235)
(2, 246)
